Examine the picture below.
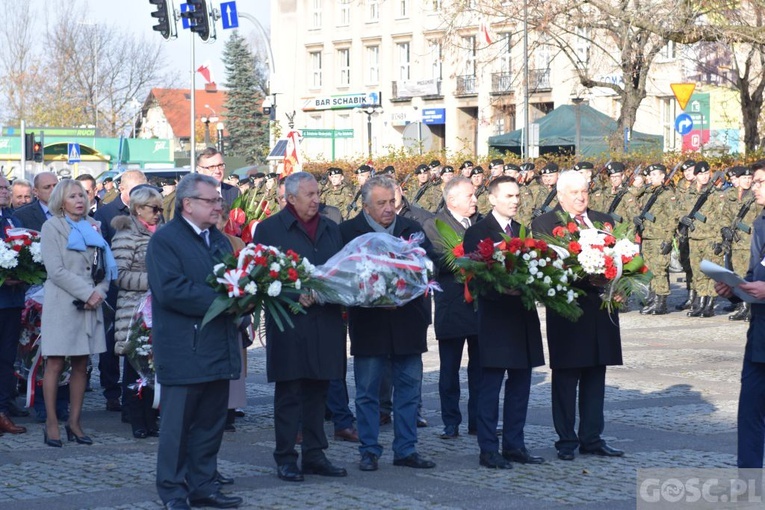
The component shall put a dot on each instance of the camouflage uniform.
(658, 234)
(483, 205)
(428, 200)
(628, 206)
(338, 197)
(541, 196)
(526, 205)
(110, 196)
(742, 240)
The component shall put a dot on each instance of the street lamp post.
(219, 127)
(206, 120)
(370, 110)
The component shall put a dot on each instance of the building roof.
(176, 105)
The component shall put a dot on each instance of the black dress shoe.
(414, 461)
(223, 480)
(368, 462)
(603, 451)
(113, 404)
(450, 432)
(565, 455)
(421, 422)
(289, 472)
(493, 460)
(323, 468)
(140, 434)
(522, 456)
(218, 500)
(177, 504)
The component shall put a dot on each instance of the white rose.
(551, 292)
(275, 288)
(298, 284)
(533, 254)
(533, 270)
(526, 256)
(547, 280)
(251, 288)
(275, 267)
(529, 280)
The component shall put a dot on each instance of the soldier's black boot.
(741, 313)
(698, 306)
(688, 303)
(709, 309)
(650, 304)
(660, 306)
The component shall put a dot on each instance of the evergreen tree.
(246, 124)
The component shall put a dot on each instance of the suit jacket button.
(87, 268)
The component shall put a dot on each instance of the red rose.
(530, 243)
(514, 245)
(610, 240)
(273, 274)
(574, 247)
(608, 227)
(486, 248)
(401, 284)
(626, 259)
(16, 248)
(292, 274)
(292, 255)
(558, 231)
(643, 269)
(610, 272)
(458, 251)
(572, 227)
(541, 245)
(261, 261)
(608, 260)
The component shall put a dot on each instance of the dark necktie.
(206, 237)
(466, 222)
(509, 230)
(579, 220)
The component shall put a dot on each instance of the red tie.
(579, 220)
(509, 230)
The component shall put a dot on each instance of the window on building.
(344, 65)
(436, 5)
(316, 14)
(403, 8)
(315, 60)
(583, 43)
(669, 51)
(403, 60)
(373, 65)
(373, 10)
(344, 18)
(436, 62)
(469, 49)
(505, 56)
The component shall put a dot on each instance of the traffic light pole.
(24, 149)
(193, 93)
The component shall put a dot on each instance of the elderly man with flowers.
(581, 350)
(302, 360)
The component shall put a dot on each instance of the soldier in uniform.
(362, 174)
(702, 236)
(684, 199)
(388, 170)
(620, 199)
(421, 195)
(741, 238)
(466, 168)
(549, 176)
(657, 237)
(110, 192)
(496, 167)
(481, 192)
(512, 170)
(338, 193)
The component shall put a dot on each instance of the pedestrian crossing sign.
(73, 153)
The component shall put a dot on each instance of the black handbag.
(98, 269)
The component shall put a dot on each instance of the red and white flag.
(483, 30)
(206, 73)
(293, 162)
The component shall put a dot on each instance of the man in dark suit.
(89, 183)
(456, 321)
(509, 340)
(379, 336)
(210, 162)
(193, 365)
(33, 215)
(581, 350)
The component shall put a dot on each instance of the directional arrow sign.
(683, 124)
(228, 15)
(683, 92)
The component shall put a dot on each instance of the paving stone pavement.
(672, 404)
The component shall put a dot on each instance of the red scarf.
(310, 226)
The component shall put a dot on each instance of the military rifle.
(687, 222)
(645, 213)
(596, 177)
(730, 234)
(422, 191)
(620, 195)
(352, 207)
(545, 207)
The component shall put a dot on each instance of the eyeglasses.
(211, 201)
(155, 208)
(757, 183)
(222, 166)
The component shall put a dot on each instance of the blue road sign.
(228, 15)
(73, 153)
(185, 21)
(683, 124)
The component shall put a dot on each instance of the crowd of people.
(103, 249)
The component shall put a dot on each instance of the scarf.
(150, 228)
(83, 235)
(311, 226)
(379, 228)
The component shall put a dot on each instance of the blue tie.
(206, 237)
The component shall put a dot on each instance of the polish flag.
(483, 31)
(206, 73)
(292, 159)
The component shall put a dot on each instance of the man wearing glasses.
(210, 162)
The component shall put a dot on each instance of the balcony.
(501, 83)
(466, 86)
(396, 98)
(539, 80)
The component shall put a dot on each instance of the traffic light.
(165, 15)
(29, 151)
(201, 19)
(38, 149)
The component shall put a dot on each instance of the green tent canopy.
(557, 133)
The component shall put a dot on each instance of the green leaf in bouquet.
(449, 239)
(275, 309)
(219, 306)
(633, 265)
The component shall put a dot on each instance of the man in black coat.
(302, 360)
(210, 162)
(456, 321)
(396, 335)
(581, 350)
(34, 214)
(509, 340)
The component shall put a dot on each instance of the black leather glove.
(638, 221)
(727, 234)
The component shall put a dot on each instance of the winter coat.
(129, 245)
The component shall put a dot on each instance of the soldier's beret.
(512, 167)
(108, 179)
(687, 164)
(496, 162)
(740, 170)
(657, 166)
(334, 171)
(549, 168)
(363, 169)
(435, 163)
(447, 170)
(421, 169)
(615, 167)
(701, 167)
(271, 175)
(584, 165)
(466, 164)
(258, 175)
(388, 170)
(476, 170)
(527, 167)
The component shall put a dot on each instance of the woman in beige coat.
(72, 318)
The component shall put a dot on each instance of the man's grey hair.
(454, 183)
(187, 187)
(21, 182)
(377, 181)
(292, 183)
(570, 179)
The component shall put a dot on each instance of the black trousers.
(514, 408)
(592, 390)
(192, 422)
(296, 403)
(10, 329)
